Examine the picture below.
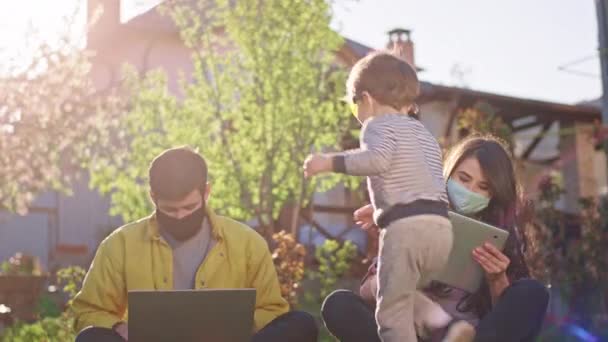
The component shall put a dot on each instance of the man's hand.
(123, 330)
(316, 164)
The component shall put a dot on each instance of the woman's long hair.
(505, 207)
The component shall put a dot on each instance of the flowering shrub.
(21, 264)
(288, 256)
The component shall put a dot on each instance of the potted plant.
(21, 284)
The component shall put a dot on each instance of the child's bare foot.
(460, 331)
(429, 317)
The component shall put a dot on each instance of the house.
(67, 229)
(547, 136)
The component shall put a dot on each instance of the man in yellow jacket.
(183, 245)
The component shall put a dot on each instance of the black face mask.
(184, 228)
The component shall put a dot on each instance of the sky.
(513, 47)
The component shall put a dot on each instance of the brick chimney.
(400, 42)
(103, 18)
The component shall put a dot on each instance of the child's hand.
(317, 163)
(363, 217)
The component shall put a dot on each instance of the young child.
(402, 161)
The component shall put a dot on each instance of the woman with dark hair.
(508, 306)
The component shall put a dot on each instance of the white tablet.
(462, 271)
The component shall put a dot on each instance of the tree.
(263, 93)
(50, 117)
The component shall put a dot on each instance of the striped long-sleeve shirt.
(401, 159)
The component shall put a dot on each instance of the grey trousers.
(412, 251)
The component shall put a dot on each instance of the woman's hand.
(494, 263)
(364, 217)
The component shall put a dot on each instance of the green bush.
(50, 329)
(334, 262)
(47, 307)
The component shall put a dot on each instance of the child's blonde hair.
(389, 79)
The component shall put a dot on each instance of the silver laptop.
(462, 271)
(215, 315)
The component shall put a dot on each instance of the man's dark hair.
(177, 172)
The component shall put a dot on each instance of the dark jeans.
(294, 326)
(516, 317)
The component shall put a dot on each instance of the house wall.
(529, 172)
(144, 53)
(599, 169)
(84, 218)
(77, 220)
(583, 169)
(580, 164)
(29, 234)
(435, 116)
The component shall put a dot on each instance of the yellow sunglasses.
(352, 105)
(354, 108)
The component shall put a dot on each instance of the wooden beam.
(516, 106)
(526, 126)
(327, 234)
(37, 210)
(539, 137)
(585, 147)
(544, 162)
(318, 227)
(529, 125)
(333, 209)
(345, 231)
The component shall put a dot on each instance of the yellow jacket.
(135, 257)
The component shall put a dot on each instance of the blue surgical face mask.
(464, 201)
